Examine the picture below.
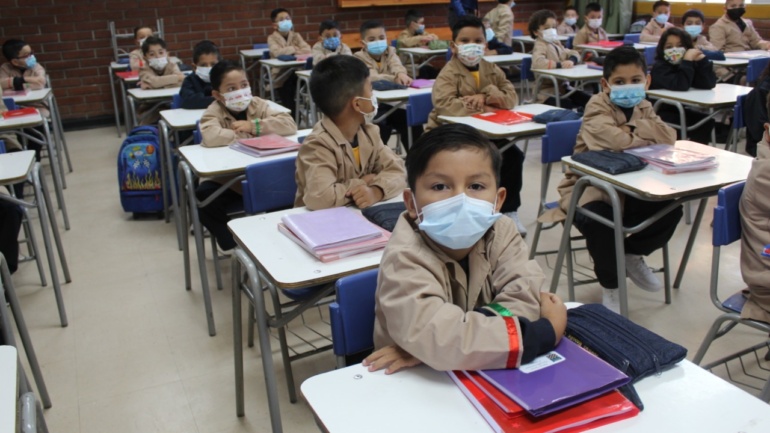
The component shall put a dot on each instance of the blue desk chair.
(738, 124)
(525, 69)
(755, 68)
(726, 230)
(417, 110)
(570, 39)
(352, 315)
(518, 32)
(632, 38)
(261, 46)
(309, 64)
(448, 55)
(649, 55)
(197, 136)
(10, 104)
(394, 43)
(176, 101)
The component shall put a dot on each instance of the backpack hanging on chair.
(139, 174)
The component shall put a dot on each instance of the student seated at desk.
(157, 73)
(196, 88)
(680, 67)
(755, 234)
(456, 290)
(661, 12)
(592, 30)
(568, 26)
(549, 53)
(494, 47)
(384, 65)
(136, 57)
(285, 42)
(343, 161)
(329, 43)
(732, 33)
(22, 71)
(501, 19)
(414, 35)
(692, 23)
(619, 118)
(755, 111)
(469, 85)
(234, 114)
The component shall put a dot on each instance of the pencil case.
(610, 162)
(385, 215)
(632, 349)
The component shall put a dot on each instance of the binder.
(505, 117)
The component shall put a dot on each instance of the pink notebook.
(331, 227)
(268, 142)
(339, 252)
(9, 92)
(422, 83)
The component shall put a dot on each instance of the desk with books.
(648, 184)
(529, 40)
(157, 97)
(397, 99)
(111, 70)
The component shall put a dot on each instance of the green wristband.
(257, 127)
(499, 309)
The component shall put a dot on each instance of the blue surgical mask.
(627, 95)
(661, 19)
(513, 4)
(490, 34)
(570, 21)
(694, 30)
(421, 29)
(332, 43)
(285, 26)
(376, 48)
(31, 61)
(457, 222)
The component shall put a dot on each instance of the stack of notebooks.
(265, 145)
(12, 114)
(505, 117)
(332, 234)
(668, 159)
(421, 83)
(565, 390)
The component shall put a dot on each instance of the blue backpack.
(139, 174)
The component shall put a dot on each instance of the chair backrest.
(526, 69)
(309, 64)
(266, 55)
(570, 39)
(631, 38)
(352, 314)
(394, 43)
(518, 32)
(755, 68)
(738, 121)
(197, 136)
(448, 55)
(269, 186)
(727, 215)
(559, 140)
(649, 55)
(418, 108)
(10, 104)
(258, 46)
(176, 101)
(2, 147)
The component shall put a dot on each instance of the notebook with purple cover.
(331, 227)
(559, 379)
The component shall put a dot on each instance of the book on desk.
(12, 114)
(669, 159)
(505, 117)
(270, 144)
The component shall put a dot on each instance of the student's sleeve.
(320, 167)
(755, 41)
(318, 52)
(193, 98)
(647, 35)
(395, 66)
(406, 41)
(155, 81)
(572, 55)
(302, 47)
(277, 47)
(275, 122)
(502, 94)
(652, 129)
(37, 72)
(704, 77)
(580, 38)
(670, 77)
(345, 51)
(390, 174)
(213, 133)
(540, 58)
(373, 73)
(717, 36)
(446, 101)
(500, 47)
(600, 131)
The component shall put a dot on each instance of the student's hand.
(553, 309)
(490, 109)
(393, 358)
(364, 195)
(144, 86)
(181, 77)
(488, 52)
(243, 126)
(368, 178)
(403, 79)
(626, 129)
(692, 54)
(474, 102)
(567, 64)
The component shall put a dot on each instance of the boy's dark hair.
(767, 103)
(205, 47)
(503, 1)
(150, 41)
(327, 25)
(371, 24)
(623, 56)
(694, 13)
(658, 4)
(335, 81)
(684, 37)
(137, 28)
(12, 48)
(274, 13)
(219, 71)
(539, 18)
(593, 7)
(413, 15)
(466, 21)
(448, 137)
(570, 8)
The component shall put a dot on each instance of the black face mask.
(736, 14)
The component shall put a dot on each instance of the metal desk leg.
(115, 110)
(126, 112)
(57, 175)
(176, 208)
(60, 128)
(132, 112)
(237, 335)
(414, 68)
(165, 143)
(690, 242)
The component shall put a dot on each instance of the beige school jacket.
(386, 69)
(755, 235)
(566, 29)
(168, 78)
(703, 43)
(455, 81)
(424, 301)
(216, 123)
(320, 53)
(546, 55)
(653, 30)
(586, 35)
(408, 40)
(136, 59)
(726, 36)
(501, 20)
(602, 130)
(8, 72)
(291, 45)
(327, 169)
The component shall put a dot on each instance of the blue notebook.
(559, 379)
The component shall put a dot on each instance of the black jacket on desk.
(195, 93)
(685, 75)
(500, 47)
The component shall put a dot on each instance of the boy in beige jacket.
(136, 57)
(661, 12)
(343, 161)
(234, 114)
(157, 73)
(501, 19)
(284, 41)
(329, 42)
(413, 36)
(592, 30)
(456, 290)
(732, 33)
(22, 71)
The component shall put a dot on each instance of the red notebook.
(505, 117)
(607, 44)
(9, 92)
(606, 409)
(127, 75)
(10, 114)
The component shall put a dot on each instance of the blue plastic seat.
(176, 101)
(631, 38)
(518, 32)
(352, 315)
(197, 136)
(10, 104)
(649, 55)
(417, 110)
(269, 186)
(738, 124)
(570, 39)
(755, 68)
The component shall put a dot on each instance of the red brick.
(93, 43)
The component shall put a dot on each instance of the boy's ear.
(647, 85)
(605, 85)
(501, 194)
(218, 96)
(410, 204)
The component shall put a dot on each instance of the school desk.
(266, 73)
(9, 388)
(422, 52)
(685, 398)
(747, 55)
(249, 56)
(157, 97)
(648, 184)
(507, 59)
(529, 40)
(111, 69)
(23, 126)
(221, 163)
(604, 50)
(271, 259)
(582, 74)
(397, 99)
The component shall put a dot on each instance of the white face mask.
(595, 23)
(550, 35)
(141, 42)
(457, 222)
(159, 63)
(570, 21)
(470, 54)
(203, 73)
(369, 117)
(238, 100)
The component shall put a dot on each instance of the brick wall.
(71, 38)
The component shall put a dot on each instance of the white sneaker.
(611, 300)
(519, 226)
(224, 254)
(641, 274)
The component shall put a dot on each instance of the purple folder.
(331, 227)
(577, 377)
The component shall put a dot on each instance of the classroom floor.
(137, 357)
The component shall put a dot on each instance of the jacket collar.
(364, 151)
(251, 111)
